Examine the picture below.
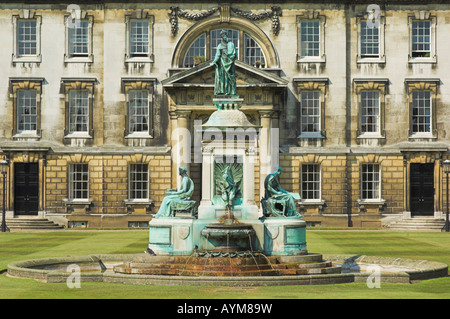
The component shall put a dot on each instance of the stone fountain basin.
(100, 268)
(220, 230)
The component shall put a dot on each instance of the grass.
(22, 246)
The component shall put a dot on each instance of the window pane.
(310, 111)
(197, 49)
(139, 40)
(138, 181)
(79, 181)
(233, 35)
(310, 181)
(26, 37)
(370, 111)
(310, 38)
(370, 181)
(78, 111)
(253, 54)
(26, 110)
(79, 38)
(138, 111)
(369, 40)
(421, 38)
(421, 111)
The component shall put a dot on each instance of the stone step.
(227, 271)
(421, 221)
(437, 225)
(32, 223)
(227, 264)
(416, 230)
(418, 224)
(430, 223)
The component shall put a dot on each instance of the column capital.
(182, 114)
(266, 113)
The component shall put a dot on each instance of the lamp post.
(447, 171)
(4, 169)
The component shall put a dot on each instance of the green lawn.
(22, 246)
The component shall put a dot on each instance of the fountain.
(229, 236)
(226, 240)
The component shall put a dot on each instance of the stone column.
(181, 137)
(249, 176)
(207, 175)
(265, 156)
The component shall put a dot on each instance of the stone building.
(97, 100)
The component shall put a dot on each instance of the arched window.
(196, 53)
(248, 48)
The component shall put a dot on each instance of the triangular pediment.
(246, 76)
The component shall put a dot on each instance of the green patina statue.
(228, 187)
(278, 202)
(178, 200)
(225, 80)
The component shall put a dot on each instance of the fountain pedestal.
(228, 217)
(172, 235)
(284, 236)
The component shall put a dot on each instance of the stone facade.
(348, 160)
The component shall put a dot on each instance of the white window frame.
(70, 21)
(261, 58)
(16, 85)
(149, 57)
(19, 116)
(431, 115)
(371, 84)
(71, 181)
(376, 133)
(311, 16)
(71, 106)
(319, 182)
(188, 56)
(68, 84)
(319, 116)
(423, 16)
(362, 182)
(423, 85)
(311, 84)
(381, 58)
(132, 182)
(139, 84)
(35, 58)
(130, 114)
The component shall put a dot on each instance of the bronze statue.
(225, 80)
(178, 200)
(278, 202)
(228, 187)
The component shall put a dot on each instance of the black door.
(26, 188)
(422, 189)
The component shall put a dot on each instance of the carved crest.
(273, 231)
(183, 232)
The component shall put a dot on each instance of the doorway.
(26, 189)
(422, 189)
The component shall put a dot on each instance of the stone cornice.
(370, 84)
(182, 78)
(25, 83)
(137, 83)
(422, 84)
